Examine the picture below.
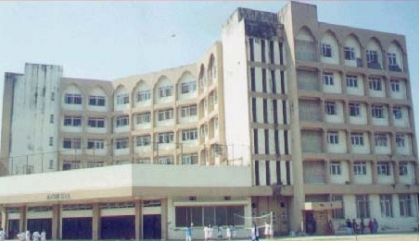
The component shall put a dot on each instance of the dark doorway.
(151, 227)
(120, 227)
(40, 225)
(13, 229)
(77, 228)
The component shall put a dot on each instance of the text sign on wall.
(58, 196)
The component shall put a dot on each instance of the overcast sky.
(108, 40)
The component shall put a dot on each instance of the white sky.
(109, 39)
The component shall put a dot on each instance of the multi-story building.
(285, 115)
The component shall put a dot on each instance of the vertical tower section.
(257, 120)
(31, 119)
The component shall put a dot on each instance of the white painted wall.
(336, 88)
(341, 147)
(382, 121)
(236, 84)
(362, 118)
(404, 121)
(359, 90)
(344, 177)
(364, 179)
(328, 38)
(402, 94)
(365, 149)
(407, 149)
(351, 41)
(31, 129)
(339, 116)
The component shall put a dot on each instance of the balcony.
(374, 65)
(394, 68)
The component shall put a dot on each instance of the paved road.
(366, 237)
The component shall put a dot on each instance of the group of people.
(359, 228)
(230, 232)
(209, 230)
(36, 236)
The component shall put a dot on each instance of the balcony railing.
(394, 68)
(374, 65)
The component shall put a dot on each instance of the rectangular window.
(403, 168)
(71, 143)
(165, 91)
(165, 114)
(166, 160)
(189, 159)
(143, 95)
(332, 137)
(357, 139)
(328, 79)
(51, 141)
(378, 112)
(397, 112)
(96, 144)
(72, 121)
(392, 59)
(73, 99)
(326, 50)
(143, 118)
(351, 81)
(335, 168)
(349, 53)
(362, 206)
(400, 140)
(52, 119)
(188, 87)
(96, 122)
(121, 143)
(338, 213)
(143, 140)
(395, 86)
(381, 140)
(330, 108)
(190, 110)
(188, 135)
(359, 168)
(383, 169)
(375, 84)
(122, 121)
(122, 99)
(405, 205)
(371, 56)
(386, 205)
(166, 137)
(354, 109)
(96, 100)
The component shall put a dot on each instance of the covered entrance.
(13, 228)
(118, 227)
(152, 226)
(77, 228)
(317, 215)
(42, 224)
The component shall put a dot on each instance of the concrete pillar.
(56, 222)
(137, 220)
(164, 218)
(351, 171)
(96, 221)
(374, 172)
(4, 219)
(395, 171)
(22, 220)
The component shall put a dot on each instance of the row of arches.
(351, 47)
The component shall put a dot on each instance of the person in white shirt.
(268, 231)
(229, 232)
(43, 235)
(27, 235)
(36, 236)
(2, 234)
(21, 236)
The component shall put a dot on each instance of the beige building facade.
(285, 115)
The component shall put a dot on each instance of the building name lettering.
(58, 196)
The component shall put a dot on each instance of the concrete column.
(374, 172)
(22, 220)
(164, 218)
(351, 171)
(137, 220)
(327, 174)
(96, 221)
(56, 222)
(4, 219)
(385, 61)
(395, 171)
